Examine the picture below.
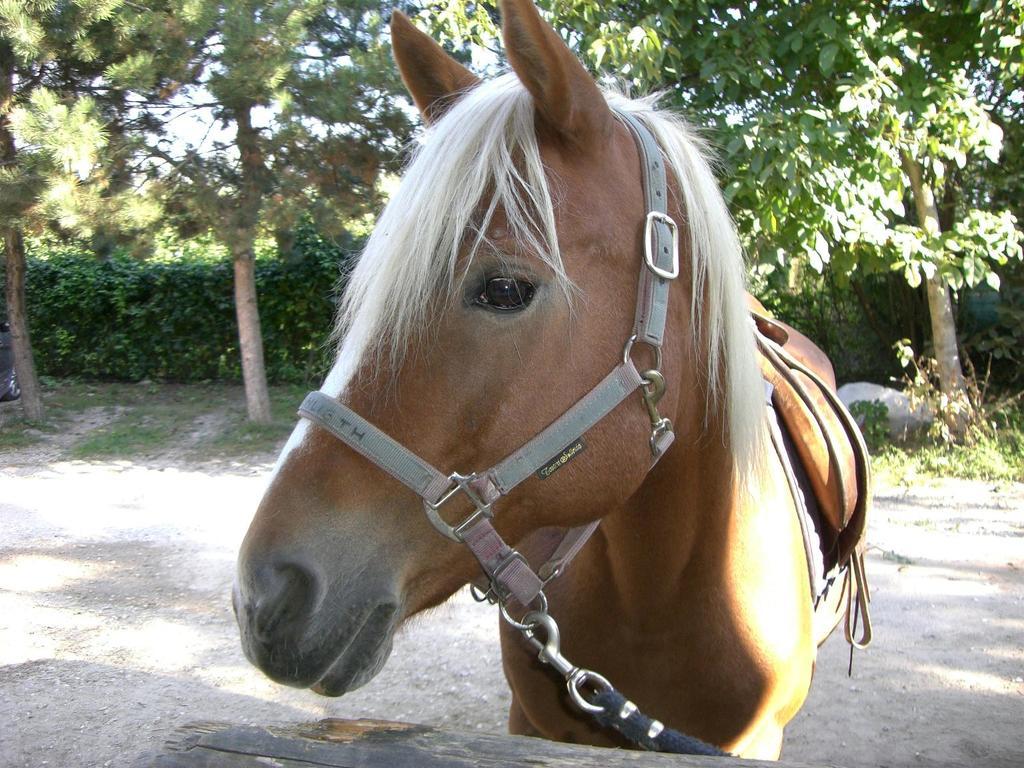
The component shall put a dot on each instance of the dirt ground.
(116, 626)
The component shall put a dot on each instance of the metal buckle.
(549, 572)
(664, 218)
(461, 483)
(483, 595)
(658, 430)
(651, 392)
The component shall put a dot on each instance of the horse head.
(497, 289)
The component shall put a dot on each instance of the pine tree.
(299, 97)
(305, 99)
(69, 73)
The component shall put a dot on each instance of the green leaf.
(827, 57)
(912, 276)
(815, 261)
(821, 247)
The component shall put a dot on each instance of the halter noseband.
(508, 574)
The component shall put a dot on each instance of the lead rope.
(608, 707)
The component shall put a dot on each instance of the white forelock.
(484, 144)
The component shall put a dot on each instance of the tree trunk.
(17, 315)
(250, 337)
(940, 310)
(245, 220)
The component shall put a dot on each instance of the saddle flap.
(827, 439)
(820, 441)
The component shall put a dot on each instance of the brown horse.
(498, 288)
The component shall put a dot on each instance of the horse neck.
(678, 521)
(685, 514)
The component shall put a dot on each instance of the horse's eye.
(505, 294)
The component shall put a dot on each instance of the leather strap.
(580, 418)
(374, 444)
(858, 599)
(661, 241)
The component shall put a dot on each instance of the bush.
(994, 326)
(873, 419)
(129, 320)
(858, 321)
(850, 324)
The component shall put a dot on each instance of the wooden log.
(382, 744)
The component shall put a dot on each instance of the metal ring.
(583, 677)
(628, 348)
(521, 626)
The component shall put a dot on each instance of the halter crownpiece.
(508, 574)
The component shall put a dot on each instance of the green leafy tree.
(64, 68)
(302, 101)
(833, 117)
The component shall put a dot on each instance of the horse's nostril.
(284, 598)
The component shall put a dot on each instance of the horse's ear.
(434, 79)
(566, 97)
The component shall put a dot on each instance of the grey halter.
(508, 574)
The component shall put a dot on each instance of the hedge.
(174, 320)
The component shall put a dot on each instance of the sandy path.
(115, 627)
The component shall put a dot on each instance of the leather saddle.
(827, 442)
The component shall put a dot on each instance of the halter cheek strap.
(508, 574)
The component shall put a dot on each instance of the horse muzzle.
(304, 630)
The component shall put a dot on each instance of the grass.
(15, 439)
(996, 454)
(122, 438)
(240, 436)
(132, 421)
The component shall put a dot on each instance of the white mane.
(486, 145)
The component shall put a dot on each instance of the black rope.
(622, 715)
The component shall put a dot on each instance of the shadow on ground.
(116, 630)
